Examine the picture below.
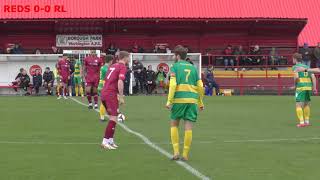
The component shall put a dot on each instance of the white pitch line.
(157, 148)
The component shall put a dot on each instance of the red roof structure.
(170, 9)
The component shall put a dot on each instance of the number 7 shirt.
(115, 72)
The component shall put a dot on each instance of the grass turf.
(49, 123)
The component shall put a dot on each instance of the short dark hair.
(108, 58)
(123, 54)
(48, 68)
(181, 51)
(297, 56)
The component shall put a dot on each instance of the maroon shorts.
(110, 102)
(64, 79)
(92, 82)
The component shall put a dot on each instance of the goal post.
(157, 60)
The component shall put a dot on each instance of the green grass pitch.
(235, 138)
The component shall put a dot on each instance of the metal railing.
(242, 61)
(279, 86)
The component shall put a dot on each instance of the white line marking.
(159, 149)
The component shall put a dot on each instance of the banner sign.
(91, 40)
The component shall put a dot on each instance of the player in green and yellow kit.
(184, 98)
(305, 83)
(77, 78)
(57, 78)
(103, 72)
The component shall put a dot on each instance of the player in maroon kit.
(112, 96)
(92, 65)
(64, 72)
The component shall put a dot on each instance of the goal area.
(159, 60)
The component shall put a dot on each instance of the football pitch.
(235, 138)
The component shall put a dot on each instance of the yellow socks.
(187, 143)
(81, 91)
(102, 111)
(175, 140)
(77, 90)
(306, 113)
(300, 115)
(58, 90)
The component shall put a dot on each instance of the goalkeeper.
(103, 71)
(184, 98)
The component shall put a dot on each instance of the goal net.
(159, 60)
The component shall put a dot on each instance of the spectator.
(144, 75)
(316, 53)
(150, 79)
(48, 80)
(210, 82)
(111, 49)
(306, 54)
(56, 50)
(137, 49)
(162, 48)
(37, 81)
(22, 80)
(37, 51)
(8, 50)
(168, 51)
(160, 79)
(16, 81)
(127, 82)
(156, 49)
(188, 49)
(137, 68)
(117, 53)
(17, 49)
(239, 52)
(228, 60)
(255, 60)
(189, 60)
(274, 58)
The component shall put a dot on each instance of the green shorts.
(184, 111)
(77, 80)
(58, 79)
(303, 96)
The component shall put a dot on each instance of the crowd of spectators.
(232, 55)
(24, 82)
(146, 80)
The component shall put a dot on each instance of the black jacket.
(150, 75)
(306, 53)
(128, 76)
(23, 78)
(37, 80)
(137, 66)
(48, 77)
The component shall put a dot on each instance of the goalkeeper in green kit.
(103, 71)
